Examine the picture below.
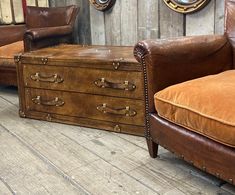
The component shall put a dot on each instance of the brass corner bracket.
(186, 6)
(103, 5)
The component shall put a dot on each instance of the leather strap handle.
(55, 78)
(127, 111)
(126, 85)
(57, 102)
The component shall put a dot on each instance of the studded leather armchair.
(189, 95)
(49, 26)
(44, 27)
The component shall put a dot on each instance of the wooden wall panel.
(132, 20)
(11, 12)
(31, 2)
(97, 27)
(148, 19)
(171, 23)
(202, 22)
(5, 14)
(43, 3)
(128, 22)
(113, 25)
(219, 16)
(18, 11)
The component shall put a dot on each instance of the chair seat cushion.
(205, 106)
(7, 53)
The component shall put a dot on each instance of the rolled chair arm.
(44, 37)
(39, 33)
(168, 62)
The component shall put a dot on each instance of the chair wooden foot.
(153, 148)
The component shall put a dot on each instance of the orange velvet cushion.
(205, 106)
(8, 51)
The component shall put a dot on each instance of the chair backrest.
(39, 17)
(11, 33)
(230, 24)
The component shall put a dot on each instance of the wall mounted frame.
(186, 6)
(103, 5)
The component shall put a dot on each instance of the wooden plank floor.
(38, 157)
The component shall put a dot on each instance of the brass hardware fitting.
(117, 128)
(44, 60)
(17, 58)
(48, 118)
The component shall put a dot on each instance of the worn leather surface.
(71, 74)
(169, 62)
(39, 33)
(49, 26)
(37, 17)
(199, 105)
(16, 33)
(204, 153)
(177, 60)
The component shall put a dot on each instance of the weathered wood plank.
(128, 22)
(97, 26)
(202, 22)
(4, 188)
(120, 164)
(229, 188)
(219, 16)
(171, 24)
(148, 19)
(113, 25)
(31, 2)
(73, 159)
(19, 167)
(84, 27)
(18, 11)
(6, 14)
(43, 3)
(169, 174)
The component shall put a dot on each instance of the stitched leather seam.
(196, 112)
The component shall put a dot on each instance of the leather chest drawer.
(114, 109)
(93, 81)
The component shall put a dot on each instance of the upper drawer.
(93, 81)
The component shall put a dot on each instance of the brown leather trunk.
(99, 87)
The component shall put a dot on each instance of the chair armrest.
(168, 62)
(44, 37)
(39, 33)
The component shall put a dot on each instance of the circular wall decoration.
(103, 5)
(186, 6)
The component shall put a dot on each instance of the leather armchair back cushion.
(37, 17)
(16, 33)
(205, 106)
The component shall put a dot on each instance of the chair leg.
(153, 148)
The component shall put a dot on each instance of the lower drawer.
(103, 108)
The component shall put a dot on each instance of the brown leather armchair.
(167, 65)
(49, 26)
(44, 27)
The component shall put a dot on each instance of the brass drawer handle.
(55, 78)
(126, 85)
(127, 111)
(55, 102)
